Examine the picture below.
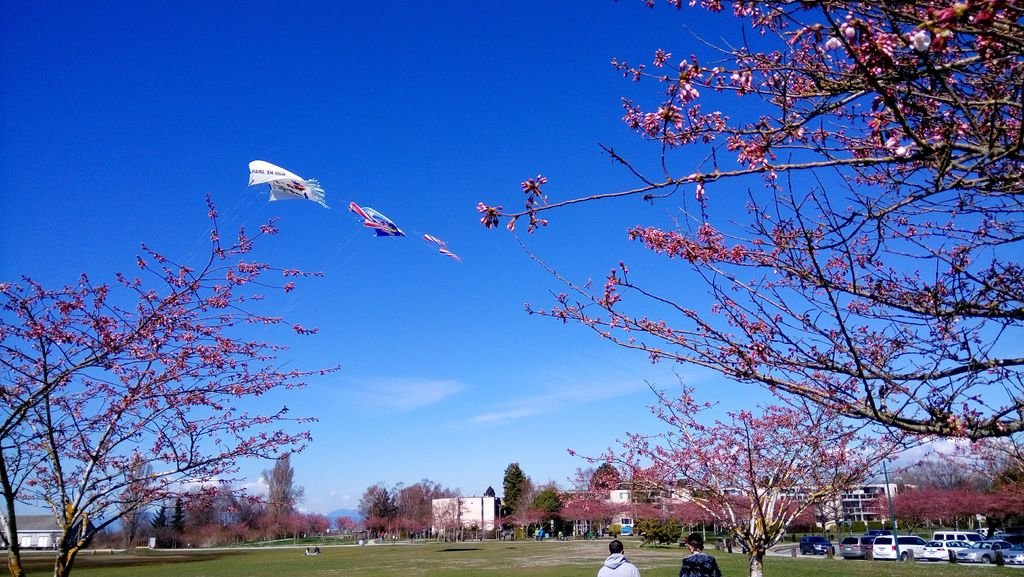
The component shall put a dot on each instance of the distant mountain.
(335, 514)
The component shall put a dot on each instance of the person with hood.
(616, 565)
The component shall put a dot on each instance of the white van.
(952, 535)
(884, 547)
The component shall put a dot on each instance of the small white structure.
(36, 531)
(465, 512)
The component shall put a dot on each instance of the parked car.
(855, 547)
(814, 545)
(982, 551)
(884, 547)
(939, 550)
(877, 532)
(949, 535)
(1015, 538)
(1013, 535)
(1014, 555)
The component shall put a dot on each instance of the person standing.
(699, 563)
(616, 565)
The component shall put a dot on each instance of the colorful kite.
(285, 185)
(442, 247)
(380, 224)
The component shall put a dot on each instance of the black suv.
(814, 545)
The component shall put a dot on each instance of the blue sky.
(117, 119)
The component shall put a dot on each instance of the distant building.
(867, 502)
(36, 531)
(458, 513)
(863, 502)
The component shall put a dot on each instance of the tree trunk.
(14, 561)
(63, 562)
(10, 525)
(756, 562)
(14, 566)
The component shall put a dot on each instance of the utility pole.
(892, 512)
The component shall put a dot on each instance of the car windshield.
(935, 544)
(850, 541)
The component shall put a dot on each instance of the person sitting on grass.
(699, 563)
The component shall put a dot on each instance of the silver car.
(982, 551)
(855, 547)
(1014, 555)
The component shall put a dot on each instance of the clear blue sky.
(117, 119)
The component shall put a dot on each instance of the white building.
(867, 502)
(36, 531)
(452, 513)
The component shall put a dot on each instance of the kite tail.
(316, 192)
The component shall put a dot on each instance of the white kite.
(285, 185)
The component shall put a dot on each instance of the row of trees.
(220, 514)
(402, 510)
(220, 517)
(407, 511)
(954, 491)
(958, 508)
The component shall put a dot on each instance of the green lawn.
(520, 558)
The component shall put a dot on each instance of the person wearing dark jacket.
(616, 565)
(699, 563)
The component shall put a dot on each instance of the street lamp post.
(892, 512)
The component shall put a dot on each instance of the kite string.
(235, 218)
(333, 266)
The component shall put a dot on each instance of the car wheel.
(904, 556)
(986, 559)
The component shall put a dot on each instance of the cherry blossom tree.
(447, 519)
(116, 396)
(313, 524)
(752, 473)
(345, 524)
(877, 269)
(529, 517)
(415, 504)
(588, 511)
(690, 514)
(917, 508)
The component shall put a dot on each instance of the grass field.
(490, 559)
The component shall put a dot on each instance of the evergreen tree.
(515, 482)
(178, 518)
(159, 521)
